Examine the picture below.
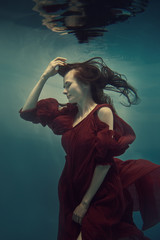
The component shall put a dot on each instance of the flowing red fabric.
(132, 185)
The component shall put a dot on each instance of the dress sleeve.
(44, 112)
(110, 143)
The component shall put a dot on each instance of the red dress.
(132, 185)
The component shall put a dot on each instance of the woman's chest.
(80, 138)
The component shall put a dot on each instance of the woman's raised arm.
(49, 72)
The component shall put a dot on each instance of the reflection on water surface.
(86, 19)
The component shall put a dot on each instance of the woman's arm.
(98, 176)
(97, 179)
(50, 71)
(105, 114)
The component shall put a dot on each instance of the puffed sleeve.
(110, 143)
(44, 112)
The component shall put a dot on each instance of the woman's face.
(74, 90)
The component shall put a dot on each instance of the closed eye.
(67, 84)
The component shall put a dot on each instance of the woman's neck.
(85, 106)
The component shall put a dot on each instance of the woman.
(97, 192)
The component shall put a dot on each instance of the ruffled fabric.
(47, 112)
(44, 112)
(108, 144)
(111, 143)
(142, 179)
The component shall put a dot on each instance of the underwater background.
(31, 156)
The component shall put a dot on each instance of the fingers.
(54, 64)
(76, 218)
(79, 213)
(59, 61)
(60, 58)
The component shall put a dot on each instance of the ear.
(86, 85)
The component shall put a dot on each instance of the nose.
(64, 91)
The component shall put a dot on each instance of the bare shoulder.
(105, 115)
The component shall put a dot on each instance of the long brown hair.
(100, 77)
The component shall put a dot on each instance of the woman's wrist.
(85, 203)
(43, 78)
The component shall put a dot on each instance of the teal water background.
(31, 156)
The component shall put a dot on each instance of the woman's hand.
(52, 69)
(79, 212)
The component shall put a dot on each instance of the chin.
(71, 101)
